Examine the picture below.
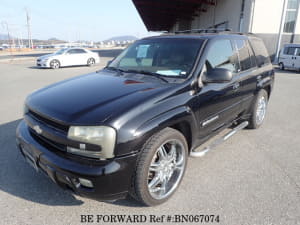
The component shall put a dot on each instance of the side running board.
(201, 153)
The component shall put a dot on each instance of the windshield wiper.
(114, 69)
(157, 75)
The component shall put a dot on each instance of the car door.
(81, 57)
(248, 71)
(297, 58)
(288, 58)
(70, 58)
(218, 103)
(283, 57)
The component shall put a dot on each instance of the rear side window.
(221, 55)
(260, 51)
(289, 51)
(79, 51)
(244, 55)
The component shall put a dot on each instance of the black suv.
(129, 128)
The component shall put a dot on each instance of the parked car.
(289, 57)
(68, 57)
(129, 128)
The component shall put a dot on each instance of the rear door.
(297, 58)
(247, 76)
(81, 56)
(218, 103)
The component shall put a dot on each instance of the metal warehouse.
(276, 21)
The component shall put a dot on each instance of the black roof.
(201, 35)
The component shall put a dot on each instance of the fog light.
(86, 183)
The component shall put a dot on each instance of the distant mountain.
(122, 38)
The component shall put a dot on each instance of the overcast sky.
(72, 20)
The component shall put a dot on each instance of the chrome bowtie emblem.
(37, 129)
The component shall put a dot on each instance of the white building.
(276, 21)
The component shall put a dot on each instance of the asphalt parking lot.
(254, 178)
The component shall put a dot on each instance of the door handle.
(235, 86)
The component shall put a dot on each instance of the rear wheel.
(259, 110)
(160, 167)
(91, 62)
(281, 66)
(54, 64)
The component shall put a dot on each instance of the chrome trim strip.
(210, 120)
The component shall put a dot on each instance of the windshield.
(172, 57)
(61, 51)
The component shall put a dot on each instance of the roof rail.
(210, 30)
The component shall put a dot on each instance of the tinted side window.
(79, 51)
(72, 51)
(244, 56)
(285, 50)
(252, 56)
(260, 51)
(221, 55)
(290, 50)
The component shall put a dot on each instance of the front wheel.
(259, 110)
(54, 64)
(281, 66)
(160, 167)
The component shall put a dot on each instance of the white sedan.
(68, 57)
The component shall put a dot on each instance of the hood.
(92, 98)
(46, 56)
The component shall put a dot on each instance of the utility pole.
(30, 44)
(283, 14)
(4, 23)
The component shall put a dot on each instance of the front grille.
(51, 145)
(48, 122)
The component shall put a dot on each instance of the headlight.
(102, 136)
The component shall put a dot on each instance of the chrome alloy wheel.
(54, 64)
(91, 61)
(166, 169)
(261, 110)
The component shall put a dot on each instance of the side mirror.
(217, 75)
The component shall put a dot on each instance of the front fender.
(139, 136)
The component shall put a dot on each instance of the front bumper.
(44, 64)
(111, 179)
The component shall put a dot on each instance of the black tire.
(140, 185)
(281, 66)
(91, 62)
(254, 122)
(54, 64)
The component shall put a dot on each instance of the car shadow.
(36, 67)
(19, 179)
(286, 71)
